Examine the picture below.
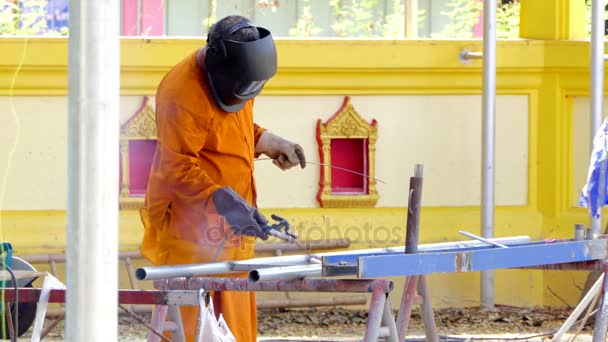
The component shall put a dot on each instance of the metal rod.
(466, 55)
(597, 98)
(407, 303)
(601, 322)
(428, 317)
(413, 211)
(571, 320)
(208, 269)
(299, 285)
(479, 238)
(93, 166)
(374, 318)
(286, 272)
(487, 146)
(388, 320)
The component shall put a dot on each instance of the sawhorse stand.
(380, 320)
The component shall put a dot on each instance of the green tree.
(26, 17)
(465, 14)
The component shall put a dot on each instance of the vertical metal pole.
(487, 146)
(597, 97)
(601, 321)
(93, 136)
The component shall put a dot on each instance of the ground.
(335, 324)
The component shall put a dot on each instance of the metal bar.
(93, 166)
(405, 310)
(388, 320)
(481, 260)
(207, 269)
(162, 272)
(469, 55)
(601, 322)
(175, 316)
(488, 137)
(299, 285)
(413, 211)
(374, 318)
(428, 318)
(311, 302)
(159, 314)
(479, 238)
(597, 97)
(348, 259)
(184, 297)
(286, 272)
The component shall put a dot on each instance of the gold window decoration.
(347, 148)
(137, 145)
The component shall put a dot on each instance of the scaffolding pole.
(93, 144)
(487, 146)
(597, 99)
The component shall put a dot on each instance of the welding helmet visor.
(238, 71)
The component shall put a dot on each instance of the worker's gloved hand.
(284, 153)
(243, 218)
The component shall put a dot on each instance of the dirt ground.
(335, 324)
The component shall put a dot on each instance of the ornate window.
(347, 146)
(137, 145)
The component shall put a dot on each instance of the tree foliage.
(25, 17)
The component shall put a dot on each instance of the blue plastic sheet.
(591, 196)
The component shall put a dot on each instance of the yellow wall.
(428, 107)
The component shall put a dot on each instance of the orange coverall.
(199, 149)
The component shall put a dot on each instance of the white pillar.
(487, 146)
(597, 94)
(93, 152)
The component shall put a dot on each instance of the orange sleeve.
(180, 137)
(257, 132)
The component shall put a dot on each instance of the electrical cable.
(15, 309)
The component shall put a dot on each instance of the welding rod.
(489, 242)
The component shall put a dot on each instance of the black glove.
(243, 218)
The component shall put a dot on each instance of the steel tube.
(174, 271)
(597, 98)
(413, 211)
(374, 318)
(208, 269)
(296, 285)
(287, 272)
(487, 146)
(93, 167)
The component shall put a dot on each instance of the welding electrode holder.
(281, 229)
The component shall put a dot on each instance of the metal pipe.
(487, 146)
(296, 285)
(93, 166)
(208, 269)
(597, 98)
(466, 56)
(174, 271)
(287, 272)
(413, 211)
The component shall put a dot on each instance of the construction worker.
(201, 195)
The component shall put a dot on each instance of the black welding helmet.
(237, 71)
